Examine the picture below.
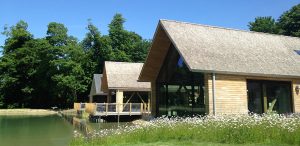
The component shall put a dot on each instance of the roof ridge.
(220, 27)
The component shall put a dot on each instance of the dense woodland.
(57, 70)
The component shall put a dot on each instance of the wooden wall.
(153, 99)
(296, 96)
(231, 93)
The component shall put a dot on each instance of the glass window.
(255, 104)
(180, 92)
(269, 96)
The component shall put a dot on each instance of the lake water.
(42, 130)
(35, 131)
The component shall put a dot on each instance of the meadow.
(223, 130)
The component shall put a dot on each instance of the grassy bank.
(8, 112)
(220, 130)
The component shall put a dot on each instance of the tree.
(56, 70)
(57, 34)
(140, 52)
(15, 66)
(264, 24)
(289, 22)
(119, 37)
(127, 45)
(38, 80)
(65, 67)
(16, 36)
(69, 75)
(97, 48)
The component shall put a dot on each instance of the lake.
(35, 130)
(42, 130)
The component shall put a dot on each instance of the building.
(117, 92)
(120, 82)
(199, 69)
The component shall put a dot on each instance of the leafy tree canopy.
(287, 24)
(57, 70)
(264, 24)
(57, 34)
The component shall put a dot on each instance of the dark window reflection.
(180, 92)
(269, 96)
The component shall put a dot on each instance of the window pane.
(275, 96)
(180, 91)
(279, 97)
(255, 97)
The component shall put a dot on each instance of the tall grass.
(230, 129)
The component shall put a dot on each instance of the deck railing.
(90, 107)
(118, 108)
(109, 108)
(79, 106)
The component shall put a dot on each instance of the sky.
(141, 16)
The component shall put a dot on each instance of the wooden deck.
(112, 109)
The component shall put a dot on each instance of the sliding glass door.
(269, 96)
(255, 100)
(279, 98)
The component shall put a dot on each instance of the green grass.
(220, 131)
(168, 143)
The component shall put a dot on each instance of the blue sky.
(142, 16)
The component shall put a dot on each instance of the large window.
(269, 96)
(180, 92)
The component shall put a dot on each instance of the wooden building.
(120, 82)
(117, 92)
(124, 94)
(199, 69)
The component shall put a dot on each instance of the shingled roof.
(222, 50)
(123, 76)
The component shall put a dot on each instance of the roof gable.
(221, 50)
(124, 76)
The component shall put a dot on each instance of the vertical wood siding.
(230, 92)
(296, 97)
(153, 99)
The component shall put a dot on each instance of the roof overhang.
(131, 89)
(156, 55)
(247, 74)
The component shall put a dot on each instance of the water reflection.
(35, 130)
(87, 128)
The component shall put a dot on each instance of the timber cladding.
(153, 99)
(296, 96)
(231, 93)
